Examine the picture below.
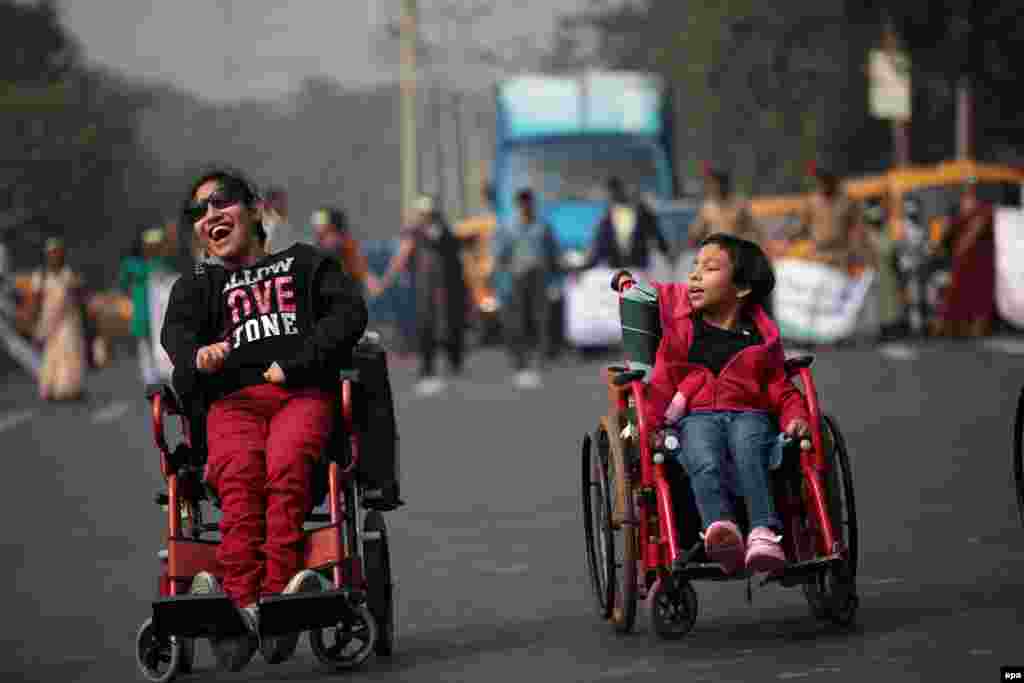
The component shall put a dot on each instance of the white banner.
(592, 309)
(160, 284)
(1009, 237)
(819, 304)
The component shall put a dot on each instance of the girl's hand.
(798, 429)
(274, 374)
(210, 359)
(676, 409)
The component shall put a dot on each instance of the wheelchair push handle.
(622, 280)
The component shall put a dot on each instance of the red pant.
(262, 444)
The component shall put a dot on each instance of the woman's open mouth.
(219, 232)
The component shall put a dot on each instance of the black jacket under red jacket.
(296, 308)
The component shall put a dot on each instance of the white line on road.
(880, 582)
(899, 351)
(627, 671)
(114, 411)
(12, 420)
(1012, 345)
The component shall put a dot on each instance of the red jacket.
(754, 379)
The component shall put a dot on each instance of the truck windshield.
(564, 170)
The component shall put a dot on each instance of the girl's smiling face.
(711, 286)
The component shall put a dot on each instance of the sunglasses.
(220, 199)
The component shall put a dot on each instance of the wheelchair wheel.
(832, 594)
(625, 550)
(597, 528)
(1018, 455)
(673, 609)
(380, 589)
(347, 645)
(160, 659)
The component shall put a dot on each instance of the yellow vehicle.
(936, 188)
(478, 262)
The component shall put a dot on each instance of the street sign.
(889, 75)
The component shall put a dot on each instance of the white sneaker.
(430, 386)
(528, 379)
(231, 654)
(277, 649)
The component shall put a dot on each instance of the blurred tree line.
(765, 88)
(72, 164)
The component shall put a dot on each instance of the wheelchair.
(642, 527)
(347, 544)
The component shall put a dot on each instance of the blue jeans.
(717, 444)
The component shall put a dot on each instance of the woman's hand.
(274, 374)
(798, 429)
(210, 359)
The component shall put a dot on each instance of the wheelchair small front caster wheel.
(160, 659)
(348, 644)
(673, 609)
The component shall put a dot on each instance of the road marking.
(804, 674)
(492, 568)
(114, 411)
(1012, 345)
(627, 671)
(979, 653)
(881, 582)
(899, 351)
(12, 420)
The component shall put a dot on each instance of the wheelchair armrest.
(794, 364)
(168, 399)
(627, 377)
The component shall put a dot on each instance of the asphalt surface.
(488, 553)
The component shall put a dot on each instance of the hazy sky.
(270, 45)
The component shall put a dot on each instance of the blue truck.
(564, 136)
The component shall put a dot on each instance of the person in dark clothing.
(432, 252)
(626, 233)
(530, 257)
(257, 342)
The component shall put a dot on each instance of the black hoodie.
(296, 308)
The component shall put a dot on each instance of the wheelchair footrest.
(281, 614)
(197, 616)
(798, 573)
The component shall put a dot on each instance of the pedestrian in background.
(332, 233)
(626, 234)
(970, 305)
(432, 253)
(59, 330)
(529, 255)
(722, 211)
(137, 271)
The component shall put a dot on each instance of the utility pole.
(409, 40)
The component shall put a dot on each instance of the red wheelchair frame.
(811, 490)
(358, 609)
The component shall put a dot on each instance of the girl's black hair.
(750, 265)
(232, 181)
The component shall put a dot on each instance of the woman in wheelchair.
(258, 340)
(719, 379)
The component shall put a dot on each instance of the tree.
(69, 140)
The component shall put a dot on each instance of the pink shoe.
(723, 543)
(764, 551)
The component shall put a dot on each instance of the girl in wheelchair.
(258, 341)
(719, 379)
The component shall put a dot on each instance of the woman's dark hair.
(750, 265)
(232, 181)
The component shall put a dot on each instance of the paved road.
(488, 552)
